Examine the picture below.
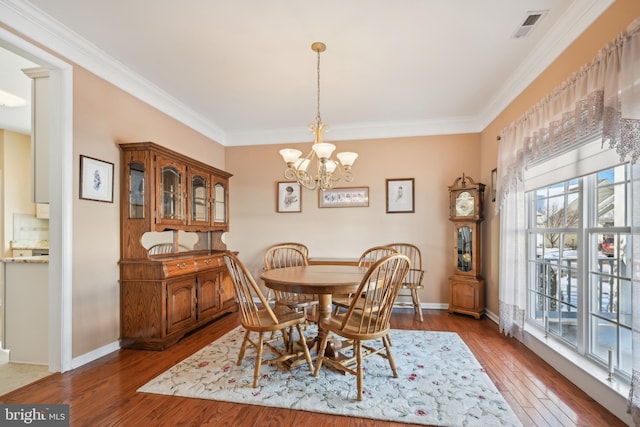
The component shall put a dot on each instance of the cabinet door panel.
(464, 295)
(208, 285)
(227, 296)
(181, 296)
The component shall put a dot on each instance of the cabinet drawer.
(179, 267)
(209, 262)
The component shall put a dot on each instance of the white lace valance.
(602, 98)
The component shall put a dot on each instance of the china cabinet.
(466, 286)
(166, 195)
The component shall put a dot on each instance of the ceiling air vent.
(529, 22)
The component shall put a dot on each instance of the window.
(579, 283)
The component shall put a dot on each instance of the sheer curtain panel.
(601, 100)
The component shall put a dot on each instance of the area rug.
(440, 383)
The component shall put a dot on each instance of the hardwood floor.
(103, 393)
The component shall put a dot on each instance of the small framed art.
(344, 197)
(96, 179)
(289, 197)
(400, 198)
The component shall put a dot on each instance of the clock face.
(465, 204)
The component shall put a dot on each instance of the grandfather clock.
(466, 286)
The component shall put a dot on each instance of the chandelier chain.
(318, 118)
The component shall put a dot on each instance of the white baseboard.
(406, 303)
(96, 354)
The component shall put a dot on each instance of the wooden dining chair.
(290, 255)
(413, 281)
(367, 258)
(263, 319)
(367, 319)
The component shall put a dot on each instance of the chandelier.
(325, 172)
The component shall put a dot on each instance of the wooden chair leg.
(243, 347)
(320, 359)
(258, 361)
(392, 363)
(416, 303)
(357, 347)
(305, 348)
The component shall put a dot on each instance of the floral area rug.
(440, 383)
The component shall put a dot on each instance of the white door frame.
(60, 195)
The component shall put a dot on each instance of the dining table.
(321, 280)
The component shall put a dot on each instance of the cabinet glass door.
(171, 184)
(136, 190)
(465, 248)
(199, 199)
(220, 203)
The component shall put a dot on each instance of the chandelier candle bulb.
(302, 164)
(347, 158)
(323, 149)
(331, 166)
(290, 155)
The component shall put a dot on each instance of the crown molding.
(30, 21)
(377, 130)
(33, 23)
(570, 25)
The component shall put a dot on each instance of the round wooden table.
(321, 280)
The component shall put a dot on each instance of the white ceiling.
(243, 72)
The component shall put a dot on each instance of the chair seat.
(298, 300)
(412, 286)
(352, 330)
(264, 323)
(342, 301)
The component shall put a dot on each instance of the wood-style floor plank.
(103, 393)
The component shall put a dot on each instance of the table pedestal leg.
(324, 312)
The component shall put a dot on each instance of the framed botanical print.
(289, 197)
(400, 195)
(344, 197)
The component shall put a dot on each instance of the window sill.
(583, 372)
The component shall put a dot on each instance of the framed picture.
(96, 180)
(289, 197)
(494, 181)
(351, 197)
(400, 197)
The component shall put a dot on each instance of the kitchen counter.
(29, 244)
(37, 259)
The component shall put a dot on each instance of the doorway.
(60, 196)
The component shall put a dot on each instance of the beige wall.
(15, 161)
(103, 116)
(582, 51)
(434, 163)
